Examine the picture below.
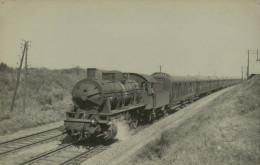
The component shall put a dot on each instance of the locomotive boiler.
(99, 101)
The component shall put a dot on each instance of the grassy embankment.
(48, 96)
(225, 132)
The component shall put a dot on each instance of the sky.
(186, 37)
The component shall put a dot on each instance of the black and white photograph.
(129, 82)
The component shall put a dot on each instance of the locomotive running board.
(113, 112)
(71, 120)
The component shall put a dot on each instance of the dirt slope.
(225, 131)
(120, 152)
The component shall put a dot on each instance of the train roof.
(147, 78)
(176, 78)
(183, 78)
(203, 78)
(214, 78)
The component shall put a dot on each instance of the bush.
(48, 96)
(156, 148)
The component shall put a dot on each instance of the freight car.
(105, 97)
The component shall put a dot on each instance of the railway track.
(67, 154)
(18, 144)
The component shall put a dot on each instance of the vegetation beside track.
(224, 132)
(48, 96)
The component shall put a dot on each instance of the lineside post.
(18, 75)
(25, 79)
(248, 64)
(242, 76)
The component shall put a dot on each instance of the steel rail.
(82, 155)
(29, 136)
(29, 139)
(50, 152)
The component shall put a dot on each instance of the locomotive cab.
(154, 96)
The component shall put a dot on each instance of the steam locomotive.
(105, 97)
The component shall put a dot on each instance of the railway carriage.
(232, 81)
(222, 83)
(214, 85)
(181, 88)
(203, 86)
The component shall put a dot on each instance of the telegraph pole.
(242, 74)
(160, 68)
(257, 55)
(19, 74)
(248, 64)
(25, 79)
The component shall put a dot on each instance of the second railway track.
(18, 144)
(66, 154)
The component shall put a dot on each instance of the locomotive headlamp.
(93, 121)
